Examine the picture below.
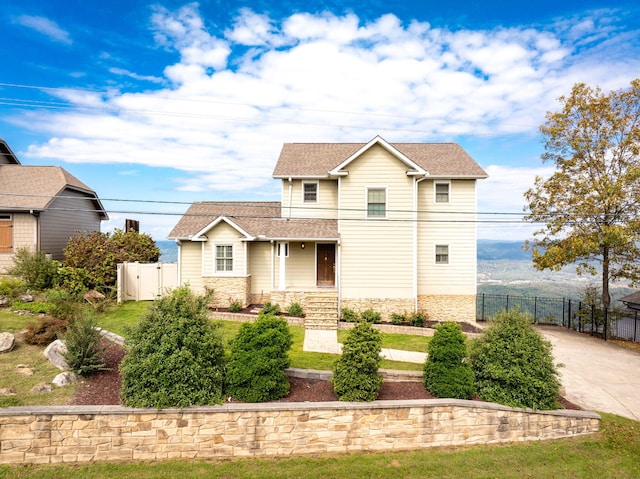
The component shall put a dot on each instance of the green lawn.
(612, 453)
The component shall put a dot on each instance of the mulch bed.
(103, 388)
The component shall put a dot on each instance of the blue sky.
(155, 105)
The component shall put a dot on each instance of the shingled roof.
(25, 187)
(259, 219)
(316, 160)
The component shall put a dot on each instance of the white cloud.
(45, 26)
(235, 95)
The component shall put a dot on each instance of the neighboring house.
(378, 225)
(41, 207)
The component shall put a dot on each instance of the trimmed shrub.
(513, 364)
(355, 374)
(259, 357)
(371, 316)
(271, 308)
(35, 269)
(295, 309)
(44, 331)
(84, 345)
(398, 318)
(63, 304)
(175, 357)
(447, 372)
(349, 315)
(419, 319)
(235, 306)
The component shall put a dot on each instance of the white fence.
(145, 281)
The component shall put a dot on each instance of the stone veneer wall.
(286, 298)
(97, 433)
(227, 289)
(449, 307)
(384, 306)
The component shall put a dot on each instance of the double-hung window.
(376, 202)
(310, 192)
(224, 258)
(442, 254)
(442, 192)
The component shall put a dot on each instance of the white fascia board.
(387, 146)
(215, 222)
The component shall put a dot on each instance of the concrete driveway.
(597, 375)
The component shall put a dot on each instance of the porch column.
(283, 252)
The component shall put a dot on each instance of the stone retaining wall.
(33, 435)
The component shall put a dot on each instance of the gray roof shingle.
(449, 160)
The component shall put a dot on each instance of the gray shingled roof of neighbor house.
(259, 219)
(25, 187)
(307, 160)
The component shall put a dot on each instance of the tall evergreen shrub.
(355, 374)
(259, 357)
(513, 364)
(84, 345)
(175, 356)
(447, 372)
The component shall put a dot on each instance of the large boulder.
(65, 379)
(7, 342)
(55, 354)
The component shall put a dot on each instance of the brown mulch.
(103, 388)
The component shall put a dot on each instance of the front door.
(326, 264)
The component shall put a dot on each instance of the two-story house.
(379, 225)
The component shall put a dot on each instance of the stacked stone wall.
(385, 306)
(461, 308)
(31, 435)
(227, 289)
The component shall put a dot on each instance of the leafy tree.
(175, 355)
(259, 357)
(513, 364)
(447, 372)
(97, 255)
(590, 206)
(355, 374)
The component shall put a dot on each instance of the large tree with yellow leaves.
(589, 208)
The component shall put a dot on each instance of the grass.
(612, 453)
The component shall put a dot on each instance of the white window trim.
(435, 193)
(215, 260)
(366, 202)
(317, 183)
(435, 254)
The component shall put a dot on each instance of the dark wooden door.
(326, 267)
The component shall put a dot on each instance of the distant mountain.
(493, 250)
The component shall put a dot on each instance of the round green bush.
(513, 364)
(447, 372)
(175, 355)
(355, 374)
(259, 357)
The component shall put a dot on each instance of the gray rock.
(65, 379)
(54, 353)
(4, 301)
(25, 298)
(42, 388)
(7, 392)
(7, 342)
(24, 369)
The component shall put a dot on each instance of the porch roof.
(259, 219)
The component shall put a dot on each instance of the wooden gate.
(145, 281)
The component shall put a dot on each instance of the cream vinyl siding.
(443, 224)
(325, 207)
(23, 234)
(260, 267)
(377, 254)
(301, 265)
(190, 262)
(223, 234)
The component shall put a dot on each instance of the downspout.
(339, 259)
(273, 265)
(415, 241)
(36, 231)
